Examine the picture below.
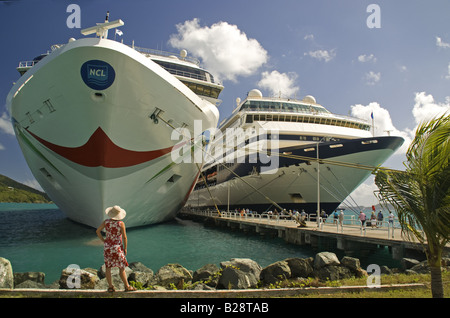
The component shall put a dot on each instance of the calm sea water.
(39, 237)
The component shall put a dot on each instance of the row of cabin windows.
(203, 90)
(186, 71)
(306, 119)
(190, 72)
(282, 106)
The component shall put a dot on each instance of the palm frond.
(421, 194)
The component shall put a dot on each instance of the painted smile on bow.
(99, 150)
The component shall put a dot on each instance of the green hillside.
(13, 191)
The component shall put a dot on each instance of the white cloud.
(224, 49)
(6, 127)
(364, 194)
(5, 124)
(322, 55)
(309, 37)
(277, 83)
(372, 78)
(426, 108)
(367, 58)
(440, 43)
(402, 68)
(382, 122)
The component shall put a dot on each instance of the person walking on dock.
(362, 218)
(373, 220)
(335, 217)
(380, 218)
(115, 245)
(391, 218)
(341, 218)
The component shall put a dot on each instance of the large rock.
(300, 267)
(244, 264)
(332, 272)
(114, 271)
(207, 274)
(6, 274)
(351, 262)
(202, 286)
(328, 267)
(385, 270)
(354, 265)
(408, 263)
(73, 277)
(30, 284)
(139, 267)
(239, 273)
(233, 278)
(325, 259)
(421, 268)
(143, 278)
(37, 277)
(140, 274)
(117, 282)
(275, 272)
(172, 274)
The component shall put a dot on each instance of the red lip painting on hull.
(99, 150)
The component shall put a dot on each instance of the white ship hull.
(91, 143)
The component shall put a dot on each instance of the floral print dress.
(113, 249)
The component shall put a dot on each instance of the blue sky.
(325, 48)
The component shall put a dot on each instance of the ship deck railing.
(153, 52)
(26, 64)
(148, 52)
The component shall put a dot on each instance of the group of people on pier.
(375, 221)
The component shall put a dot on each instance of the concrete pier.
(348, 237)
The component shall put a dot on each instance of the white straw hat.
(115, 213)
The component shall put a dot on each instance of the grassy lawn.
(386, 280)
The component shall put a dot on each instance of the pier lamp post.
(318, 184)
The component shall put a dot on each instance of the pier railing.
(350, 223)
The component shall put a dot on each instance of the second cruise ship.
(275, 153)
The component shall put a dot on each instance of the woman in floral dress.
(114, 251)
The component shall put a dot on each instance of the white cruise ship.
(272, 154)
(94, 119)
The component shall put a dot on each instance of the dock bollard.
(321, 223)
(363, 228)
(391, 230)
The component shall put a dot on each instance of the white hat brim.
(115, 216)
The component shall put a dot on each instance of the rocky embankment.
(238, 273)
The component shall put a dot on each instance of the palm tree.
(421, 194)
